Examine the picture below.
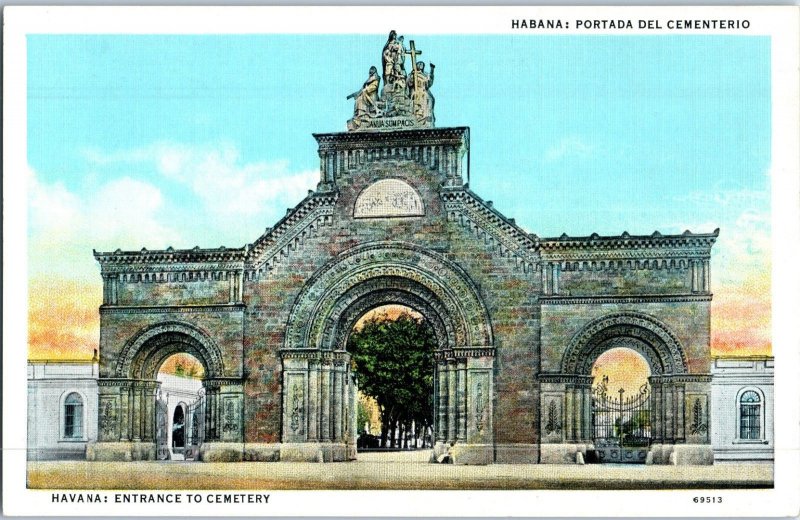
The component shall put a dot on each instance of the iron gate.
(621, 424)
(195, 427)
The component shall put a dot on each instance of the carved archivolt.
(385, 291)
(637, 331)
(378, 272)
(144, 353)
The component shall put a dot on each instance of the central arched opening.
(319, 401)
(621, 423)
(392, 355)
(179, 407)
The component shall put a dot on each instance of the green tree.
(394, 363)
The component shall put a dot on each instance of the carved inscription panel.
(388, 198)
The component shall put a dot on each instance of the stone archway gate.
(319, 404)
(678, 404)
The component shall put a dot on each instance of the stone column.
(325, 395)
(441, 392)
(588, 434)
(669, 411)
(462, 400)
(579, 404)
(125, 413)
(337, 402)
(556, 274)
(569, 415)
(656, 412)
(451, 400)
(149, 409)
(135, 413)
(113, 282)
(680, 402)
(313, 399)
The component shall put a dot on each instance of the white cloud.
(571, 146)
(744, 246)
(64, 227)
(228, 187)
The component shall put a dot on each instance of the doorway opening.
(621, 407)
(179, 407)
(392, 357)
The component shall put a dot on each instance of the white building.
(62, 408)
(179, 393)
(742, 408)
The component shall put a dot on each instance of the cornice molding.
(165, 309)
(642, 298)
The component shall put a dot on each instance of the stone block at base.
(692, 455)
(222, 452)
(516, 453)
(120, 451)
(315, 452)
(562, 453)
(472, 454)
(262, 452)
(659, 454)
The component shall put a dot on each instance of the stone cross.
(414, 53)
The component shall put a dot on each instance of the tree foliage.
(393, 361)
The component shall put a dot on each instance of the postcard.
(401, 261)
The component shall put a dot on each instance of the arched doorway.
(319, 391)
(677, 399)
(179, 407)
(621, 427)
(134, 419)
(392, 350)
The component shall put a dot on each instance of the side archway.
(144, 353)
(635, 330)
(128, 405)
(670, 419)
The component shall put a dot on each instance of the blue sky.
(569, 134)
(148, 141)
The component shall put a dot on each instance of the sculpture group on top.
(405, 101)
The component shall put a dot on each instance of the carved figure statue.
(389, 56)
(419, 83)
(366, 104)
(394, 71)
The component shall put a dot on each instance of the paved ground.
(388, 471)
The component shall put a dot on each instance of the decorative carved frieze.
(291, 232)
(681, 378)
(168, 309)
(184, 258)
(135, 358)
(312, 355)
(642, 298)
(464, 352)
(574, 379)
(452, 287)
(498, 232)
(660, 345)
(688, 241)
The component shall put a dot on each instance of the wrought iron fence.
(620, 420)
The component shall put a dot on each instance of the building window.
(73, 416)
(750, 415)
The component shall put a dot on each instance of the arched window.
(750, 415)
(73, 416)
